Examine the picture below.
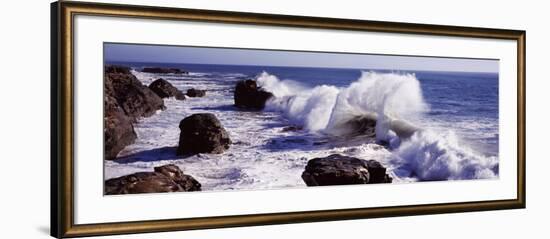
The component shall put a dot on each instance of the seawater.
(458, 112)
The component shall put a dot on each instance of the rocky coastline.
(127, 100)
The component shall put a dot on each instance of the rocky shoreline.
(127, 101)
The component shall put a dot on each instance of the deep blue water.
(465, 102)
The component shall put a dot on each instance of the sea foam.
(394, 100)
(327, 109)
(432, 156)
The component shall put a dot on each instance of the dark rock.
(164, 89)
(180, 96)
(117, 69)
(125, 100)
(317, 143)
(133, 97)
(161, 70)
(292, 128)
(366, 125)
(196, 93)
(202, 133)
(363, 125)
(337, 169)
(377, 172)
(118, 129)
(249, 95)
(167, 178)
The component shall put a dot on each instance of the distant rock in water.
(202, 133)
(164, 89)
(167, 178)
(134, 98)
(249, 95)
(161, 70)
(196, 93)
(337, 169)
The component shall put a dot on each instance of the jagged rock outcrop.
(125, 100)
(136, 99)
(118, 129)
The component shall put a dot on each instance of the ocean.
(457, 112)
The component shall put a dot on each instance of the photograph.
(193, 118)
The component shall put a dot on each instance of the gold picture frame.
(62, 128)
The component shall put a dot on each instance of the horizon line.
(294, 66)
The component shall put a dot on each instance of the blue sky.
(204, 55)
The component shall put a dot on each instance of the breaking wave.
(327, 109)
(395, 101)
(429, 156)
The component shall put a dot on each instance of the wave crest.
(328, 109)
(393, 100)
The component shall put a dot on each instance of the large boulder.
(337, 169)
(249, 95)
(118, 129)
(167, 178)
(202, 133)
(196, 93)
(162, 70)
(164, 89)
(125, 100)
(133, 97)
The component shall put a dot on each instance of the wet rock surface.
(167, 178)
(202, 133)
(337, 169)
(249, 96)
(196, 93)
(164, 89)
(125, 100)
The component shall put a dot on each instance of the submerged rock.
(202, 133)
(366, 125)
(249, 95)
(337, 169)
(362, 125)
(196, 93)
(164, 89)
(167, 178)
(133, 97)
(292, 128)
(162, 70)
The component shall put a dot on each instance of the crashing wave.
(392, 101)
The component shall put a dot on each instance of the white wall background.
(24, 121)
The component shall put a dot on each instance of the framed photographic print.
(172, 119)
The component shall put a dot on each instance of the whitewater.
(266, 155)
